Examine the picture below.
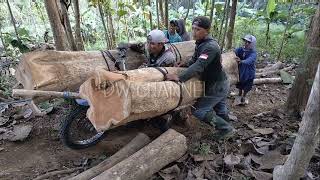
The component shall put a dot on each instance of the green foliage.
(271, 6)
(131, 22)
(6, 83)
(203, 149)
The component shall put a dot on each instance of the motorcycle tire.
(77, 132)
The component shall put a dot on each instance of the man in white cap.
(246, 57)
(158, 54)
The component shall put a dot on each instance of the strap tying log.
(105, 59)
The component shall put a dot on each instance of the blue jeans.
(215, 99)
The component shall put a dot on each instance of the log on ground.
(267, 80)
(167, 148)
(133, 146)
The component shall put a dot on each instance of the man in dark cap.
(206, 64)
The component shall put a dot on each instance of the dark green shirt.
(205, 63)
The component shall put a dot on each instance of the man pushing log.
(206, 63)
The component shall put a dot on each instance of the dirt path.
(42, 151)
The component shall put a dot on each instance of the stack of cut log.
(139, 159)
(274, 69)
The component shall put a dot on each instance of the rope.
(163, 72)
(176, 51)
(105, 59)
(180, 99)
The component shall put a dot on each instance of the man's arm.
(251, 59)
(237, 52)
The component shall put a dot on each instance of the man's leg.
(204, 112)
(247, 88)
(222, 109)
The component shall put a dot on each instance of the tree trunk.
(59, 34)
(150, 14)
(13, 21)
(64, 4)
(2, 41)
(222, 21)
(133, 146)
(285, 31)
(206, 8)
(167, 148)
(267, 32)
(193, 10)
(161, 12)
(212, 10)
(78, 37)
(231, 24)
(144, 17)
(299, 93)
(166, 13)
(307, 139)
(110, 25)
(104, 25)
(185, 18)
(226, 25)
(157, 10)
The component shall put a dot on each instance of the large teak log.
(133, 146)
(66, 71)
(167, 148)
(116, 98)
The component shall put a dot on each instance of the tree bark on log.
(267, 80)
(167, 148)
(133, 146)
(307, 139)
(66, 71)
